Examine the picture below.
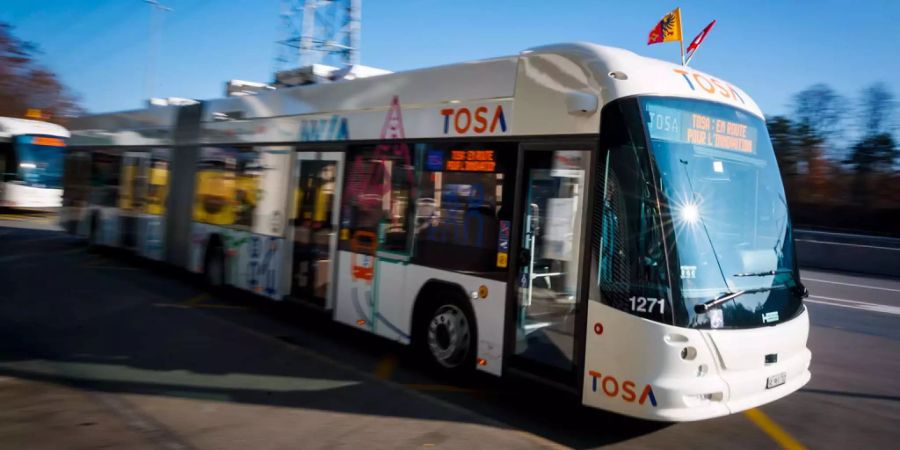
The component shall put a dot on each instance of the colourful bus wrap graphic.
(332, 129)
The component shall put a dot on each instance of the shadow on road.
(89, 321)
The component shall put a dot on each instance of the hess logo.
(478, 120)
(611, 387)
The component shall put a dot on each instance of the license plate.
(776, 380)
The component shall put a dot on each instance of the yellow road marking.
(773, 430)
(540, 440)
(171, 305)
(197, 299)
(385, 367)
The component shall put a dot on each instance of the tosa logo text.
(697, 81)
(611, 387)
(480, 120)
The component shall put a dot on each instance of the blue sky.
(770, 48)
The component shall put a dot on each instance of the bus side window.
(378, 191)
(247, 172)
(464, 191)
(227, 186)
(106, 167)
(127, 195)
(158, 181)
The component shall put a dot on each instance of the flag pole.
(681, 35)
(692, 56)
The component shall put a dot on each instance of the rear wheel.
(447, 334)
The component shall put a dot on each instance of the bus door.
(314, 218)
(132, 195)
(76, 188)
(376, 233)
(552, 239)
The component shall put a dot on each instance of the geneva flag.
(668, 29)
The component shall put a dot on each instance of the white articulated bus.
(31, 163)
(608, 222)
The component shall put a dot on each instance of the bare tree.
(24, 84)
(819, 110)
(781, 132)
(876, 110)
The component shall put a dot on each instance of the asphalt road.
(98, 349)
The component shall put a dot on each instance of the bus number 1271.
(647, 304)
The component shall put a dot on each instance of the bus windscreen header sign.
(688, 127)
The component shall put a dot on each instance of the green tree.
(25, 84)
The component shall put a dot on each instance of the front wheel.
(449, 336)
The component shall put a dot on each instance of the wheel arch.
(426, 297)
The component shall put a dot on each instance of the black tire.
(446, 334)
(214, 266)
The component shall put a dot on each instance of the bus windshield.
(724, 201)
(40, 160)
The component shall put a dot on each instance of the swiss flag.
(698, 40)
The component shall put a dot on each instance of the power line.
(153, 46)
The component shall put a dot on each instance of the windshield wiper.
(704, 307)
(763, 274)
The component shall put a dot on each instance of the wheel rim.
(449, 336)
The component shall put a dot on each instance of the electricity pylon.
(318, 32)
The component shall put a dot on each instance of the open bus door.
(549, 274)
(314, 220)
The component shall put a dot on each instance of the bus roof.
(554, 89)
(623, 73)
(11, 126)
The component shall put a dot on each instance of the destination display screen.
(688, 127)
(47, 141)
(470, 161)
